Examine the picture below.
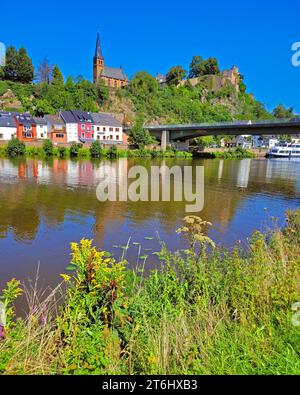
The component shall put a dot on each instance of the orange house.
(26, 127)
(57, 129)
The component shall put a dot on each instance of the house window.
(92, 135)
(104, 138)
(98, 129)
(98, 137)
(27, 135)
(111, 137)
(83, 135)
(27, 127)
(116, 84)
(104, 129)
(111, 129)
(82, 127)
(59, 136)
(117, 129)
(117, 137)
(42, 135)
(1, 136)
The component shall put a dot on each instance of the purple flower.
(2, 333)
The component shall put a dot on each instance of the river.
(45, 205)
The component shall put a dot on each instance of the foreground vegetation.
(207, 310)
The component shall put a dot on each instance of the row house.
(56, 129)
(41, 128)
(107, 129)
(26, 127)
(85, 124)
(71, 126)
(65, 127)
(8, 127)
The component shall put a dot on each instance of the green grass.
(207, 310)
(39, 153)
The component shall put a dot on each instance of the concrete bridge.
(182, 133)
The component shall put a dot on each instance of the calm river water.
(46, 205)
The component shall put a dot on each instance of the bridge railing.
(228, 124)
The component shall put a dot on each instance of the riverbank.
(231, 153)
(47, 149)
(80, 151)
(208, 310)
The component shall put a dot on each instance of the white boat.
(284, 150)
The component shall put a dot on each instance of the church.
(112, 76)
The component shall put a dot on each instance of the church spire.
(98, 50)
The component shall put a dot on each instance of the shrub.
(48, 147)
(96, 150)
(74, 150)
(62, 151)
(15, 148)
(112, 152)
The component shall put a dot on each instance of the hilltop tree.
(175, 75)
(143, 84)
(209, 67)
(195, 67)
(44, 73)
(25, 69)
(281, 112)
(57, 77)
(11, 65)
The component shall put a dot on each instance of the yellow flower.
(66, 277)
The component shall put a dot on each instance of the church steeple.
(98, 50)
(98, 62)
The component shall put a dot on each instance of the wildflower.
(66, 277)
(2, 333)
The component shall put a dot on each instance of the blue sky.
(154, 35)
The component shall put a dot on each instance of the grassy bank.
(236, 153)
(207, 311)
(79, 151)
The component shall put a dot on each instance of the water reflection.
(44, 205)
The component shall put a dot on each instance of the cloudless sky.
(154, 35)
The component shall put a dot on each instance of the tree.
(175, 75)
(48, 147)
(209, 67)
(15, 148)
(281, 112)
(195, 67)
(44, 73)
(143, 84)
(43, 107)
(57, 77)
(96, 149)
(102, 92)
(11, 64)
(25, 69)
(138, 135)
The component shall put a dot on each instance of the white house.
(107, 129)
(270, 142)
(71, 126)
(41, 128)
(8, 127)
